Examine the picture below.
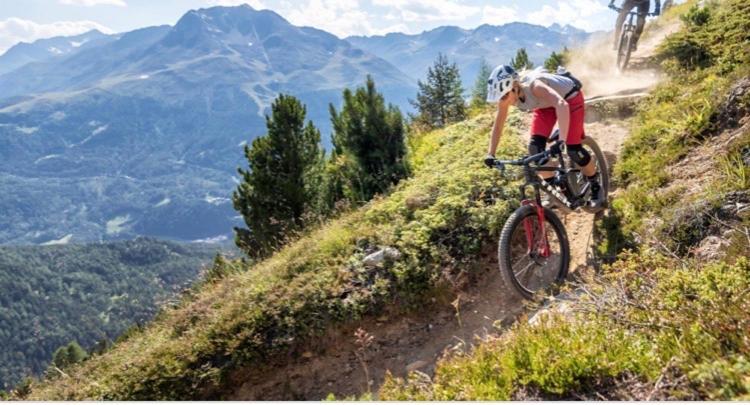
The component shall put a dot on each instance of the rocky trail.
(479, 305)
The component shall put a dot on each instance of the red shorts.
(544, 120)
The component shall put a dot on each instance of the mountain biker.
(552, 98)
(643, 7)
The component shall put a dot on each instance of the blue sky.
(28, 20)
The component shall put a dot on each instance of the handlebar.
(526, 161)
(619, 9)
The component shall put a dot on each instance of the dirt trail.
(415, 342)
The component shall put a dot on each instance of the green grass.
(438, 221)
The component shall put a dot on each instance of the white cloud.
(573, 12)
(337, 17)
(14, 30)
(499, 15)
(91, 3)
(430, 10)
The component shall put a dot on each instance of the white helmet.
(500, 82)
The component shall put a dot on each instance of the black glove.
(489, 161)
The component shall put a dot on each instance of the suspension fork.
(528, 227)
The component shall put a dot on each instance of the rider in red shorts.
(552, 99)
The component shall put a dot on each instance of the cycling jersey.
(560, 84)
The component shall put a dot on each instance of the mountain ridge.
(104, 131)
(497, 44)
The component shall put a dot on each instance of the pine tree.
(440, 100)
(68, 355)
(521, 61)
(369, 146)
(280, 186)
(479, 94)
(555, 60)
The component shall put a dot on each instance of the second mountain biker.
(643, 7)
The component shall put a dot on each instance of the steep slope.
(413, 54)
(145, 132)
(88, 293)
(437, 221)
(669, 321)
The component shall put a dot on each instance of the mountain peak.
(197, 26)
(565, 29)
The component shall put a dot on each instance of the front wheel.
(624, 49)
(524, 261)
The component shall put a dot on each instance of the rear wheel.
(602, 170)
(523, 263)
(624, 49)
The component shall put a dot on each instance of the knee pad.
(537, 144)
(579, 155)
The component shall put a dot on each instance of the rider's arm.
(550, 97)
(497, 128)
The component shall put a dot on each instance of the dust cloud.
(594, 63)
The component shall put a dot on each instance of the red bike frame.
(544, 250)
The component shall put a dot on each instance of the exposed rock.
(612, 107)
(416, 365)
(377, 258)
(736, 106)
(711, 248)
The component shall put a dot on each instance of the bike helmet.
(500, 82)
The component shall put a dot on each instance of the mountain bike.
(534, 251)
(627, 39)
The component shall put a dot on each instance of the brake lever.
(500, 167)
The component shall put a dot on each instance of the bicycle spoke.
(528, 266)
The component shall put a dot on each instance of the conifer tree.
(65, 356)
(521, 61)
(555, 60)
(479, 93)
(369, 145)
(440, 99)
(280, 186)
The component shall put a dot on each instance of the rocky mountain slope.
(142, 133)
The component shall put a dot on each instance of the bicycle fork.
(528, 227)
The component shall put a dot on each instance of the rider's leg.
(542, 122)
(643, 8)
(627, 5)
(576, 152)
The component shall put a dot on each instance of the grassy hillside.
(669, 320)
(437, 221)
(53, 295)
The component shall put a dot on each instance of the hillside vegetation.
(92, 293)
(435, 224)
(669, 318)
